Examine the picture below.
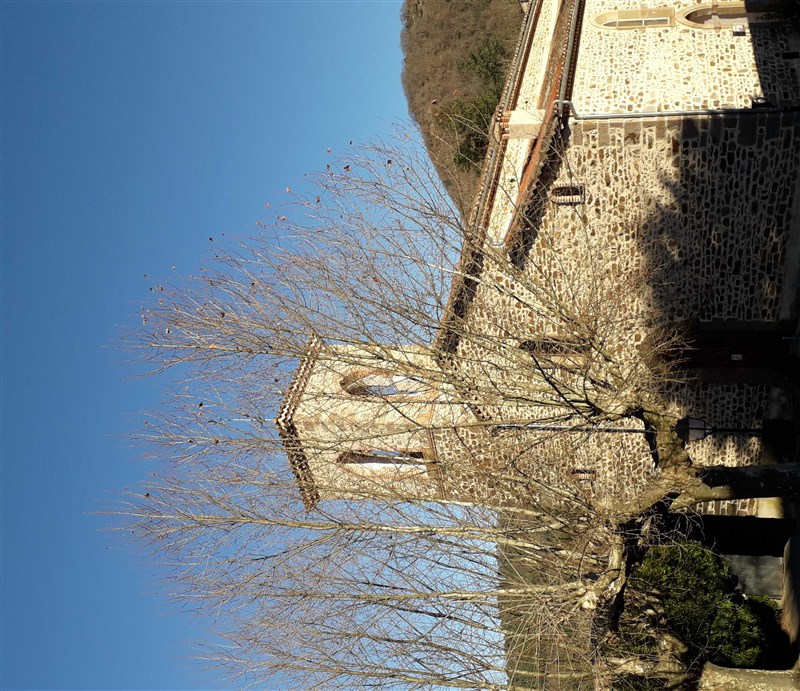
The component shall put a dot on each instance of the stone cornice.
(284, 421)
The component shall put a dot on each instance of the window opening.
(637, 23)
(553, 345)
(385, 384)
(733, 15)
(583, 474)
(567, 194)
(382, 456)
(636, 19)
(397, 464)
(552, 352)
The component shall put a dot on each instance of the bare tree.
(363, 592)
(386, 584)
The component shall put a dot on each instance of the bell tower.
(357, 420)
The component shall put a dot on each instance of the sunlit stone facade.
(661, 173)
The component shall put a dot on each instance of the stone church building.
(642, 172)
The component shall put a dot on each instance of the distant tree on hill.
(471, 117)
(438, 37)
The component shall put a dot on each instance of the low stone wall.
(721, 679)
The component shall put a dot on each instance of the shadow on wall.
(717, 258)
(776, 53)
(710, 201)
(719, 251)
(722, 254)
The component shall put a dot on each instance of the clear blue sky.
(131, 132)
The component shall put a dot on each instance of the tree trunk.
(724, 482)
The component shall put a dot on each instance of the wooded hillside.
(456, 52)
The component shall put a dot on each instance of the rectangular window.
(655, 21)
(583, 474)
(567, 194)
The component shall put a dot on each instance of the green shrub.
(703, 608)
(471, 119)
(692, 582)
(737, 638)
(634, 683)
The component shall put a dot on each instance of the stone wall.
(522, 467)
(703, 204)
(671, 220)
(679, 67)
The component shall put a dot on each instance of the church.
(635, 243)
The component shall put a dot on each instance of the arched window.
(384, 462)
(381, 384)
(712, 17)
(636, 19)
(734, 15)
